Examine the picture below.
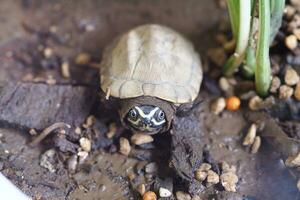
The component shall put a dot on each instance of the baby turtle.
(154, 72)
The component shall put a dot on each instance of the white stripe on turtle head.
(156, 123)
(147, 116)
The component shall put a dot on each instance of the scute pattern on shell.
(152, 60)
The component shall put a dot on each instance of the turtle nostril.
(147, 121)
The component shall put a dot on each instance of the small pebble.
(151, 168)
(285, 92)
(256, 145)
(227, 168)
(205, 167)
(229, 181)
(85, 144)
(82, 156)
(275, 84)
(297, 91)
(65, 69)
(295, 3)
(47, 159)
(141, 189)
(291, 77)
(50, 80)
(291, 42)
(196, 197)
(182, 196)
(72, 163)
(212, 177)
(224, 84)
(249, 139)
(131, 175)
(163, 192)
(296, 32)
(255, 103)
(289, 11)
(82, 59)
(140, 138)
(124, 146)
(200, 175)
(293, 161)
(48, 52)
(32, 131)
(112, 130)
(53, 29)
(102, 188)
(78, 130)
(90, 27)
(218, 105)
(149, 196)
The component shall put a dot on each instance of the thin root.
(47, 131)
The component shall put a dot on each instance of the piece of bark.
(186, 150)
(32, 105)
(274, 135)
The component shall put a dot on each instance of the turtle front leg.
(187, 150)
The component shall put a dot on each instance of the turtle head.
(146, 118)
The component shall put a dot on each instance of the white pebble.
(125, 147)
(218, 105)
(85, 144)
(285, 92)
(212, 177)
(293, 161)
(291, 77)
(163, 192)
(182, 196)
(256, 145)
(249, 139)
(47, 159)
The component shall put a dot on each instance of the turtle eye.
(132, 114)
(161, 115)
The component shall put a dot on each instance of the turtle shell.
(151, 60)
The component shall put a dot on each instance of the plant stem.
(249, 66)
(250, 62)
(263, 70)
(242, 38)
(276, 17)
(233, 10)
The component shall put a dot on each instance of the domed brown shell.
(151, 60)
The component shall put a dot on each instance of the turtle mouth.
(144, 126)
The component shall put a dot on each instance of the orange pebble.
(233, 103)
(149, 196)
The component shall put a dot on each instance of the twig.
(47, 131)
